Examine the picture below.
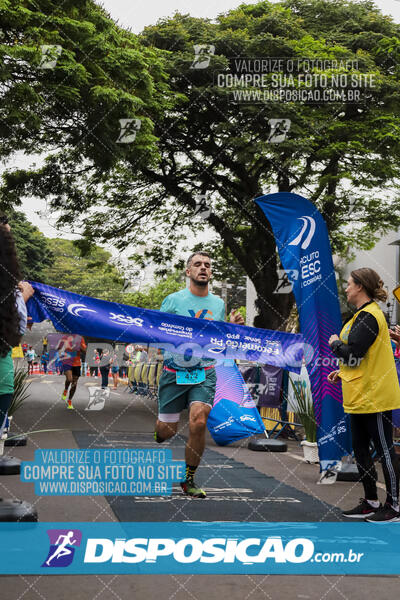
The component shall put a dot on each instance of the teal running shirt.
(185, 303)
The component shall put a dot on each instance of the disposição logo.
(62, 547)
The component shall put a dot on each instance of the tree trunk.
(273, 309)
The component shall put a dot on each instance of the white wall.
(250, 299)
(383, 258)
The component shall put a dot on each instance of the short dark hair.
(200, 253)
(3, 220)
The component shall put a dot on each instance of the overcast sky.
(139, 13)
(136, 14)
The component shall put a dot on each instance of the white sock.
(373, 503)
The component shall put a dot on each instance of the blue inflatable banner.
(304, 249)
(234, 415)
(73, 313)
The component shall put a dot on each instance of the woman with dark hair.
(370, 392)
(10, 334)
(13, 295)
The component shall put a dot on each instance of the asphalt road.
(289, 484)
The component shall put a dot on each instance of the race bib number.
(190, 377)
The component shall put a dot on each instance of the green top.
(6, 374)
(210, 307)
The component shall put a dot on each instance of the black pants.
(376, 427)
(5, 401)
(104, 371)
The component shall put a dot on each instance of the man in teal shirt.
(190, 387)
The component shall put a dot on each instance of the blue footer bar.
(208, 548)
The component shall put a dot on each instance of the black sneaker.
(385, 514)
(362, 511)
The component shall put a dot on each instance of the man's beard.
(200, 282)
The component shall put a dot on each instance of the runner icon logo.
(97, 398)
(50, 55)
(203, 53)
(279, 130)
(62, 547)
(128, 130)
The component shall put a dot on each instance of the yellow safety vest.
(17, 352)
(372, 385)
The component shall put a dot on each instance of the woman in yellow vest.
(370, 392)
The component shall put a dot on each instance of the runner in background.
(115, 370)
(69, 350)
(30, 357)
(44, 361)
(58, 365)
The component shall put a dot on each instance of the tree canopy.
(151, 296)
(33, 248)
(91, 275)
(96, 274)
(69, 75)
(342, 155)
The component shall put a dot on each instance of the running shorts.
(76, 371)
(174, 398)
